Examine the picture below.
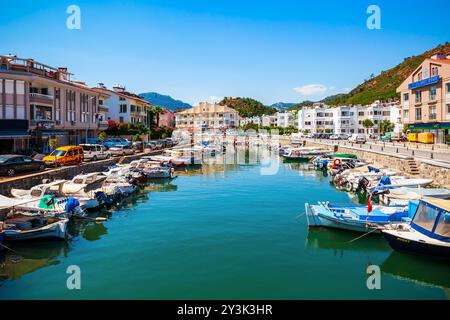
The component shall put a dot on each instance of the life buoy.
(337, 162)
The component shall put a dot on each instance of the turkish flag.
(369, 204)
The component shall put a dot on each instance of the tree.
(386, 126)
(367, 123)
(102, 136)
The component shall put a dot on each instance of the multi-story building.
(255, 120)
(286, 119)
(207, 117)
(316, 119)
(167, 118)
(124, 106)
(378, 112)
(425, 97)
(269, 120)
(39, 102)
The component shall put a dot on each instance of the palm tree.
(367, 123)
(386, 126)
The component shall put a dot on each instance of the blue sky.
(203, 49)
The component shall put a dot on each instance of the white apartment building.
(316, 119)
(286, 119)
(348, 119)
(124, 106)
(256, 120)
(269, 120)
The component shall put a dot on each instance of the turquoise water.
(220, 232)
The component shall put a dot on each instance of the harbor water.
(222, 231)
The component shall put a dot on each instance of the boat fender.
(1, 226)
(337, 162)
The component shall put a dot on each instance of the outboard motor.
(362, 185)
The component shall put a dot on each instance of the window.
(425, 217)
(419, 76)
(432, 93)
(447, 86)
(361, 113)
(443, 225)
(121, 119)
(434, 71)
(406, 115)
(433, 115)
(123, 108)
(406, 97)
(418, 94)
(418, 113)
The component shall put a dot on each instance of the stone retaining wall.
(428, 169)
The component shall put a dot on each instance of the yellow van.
(426, 137)
(64, 156)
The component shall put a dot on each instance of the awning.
(429, 126)
(53, 132)
(14, 134)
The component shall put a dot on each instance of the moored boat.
(427, 234)
(353, 217)
(20, 228)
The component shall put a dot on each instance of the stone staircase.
(413, 168)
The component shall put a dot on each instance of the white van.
(95, 152)
(357, 138)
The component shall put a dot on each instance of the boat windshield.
(58, 153)
(78, 181)
(425, 216)
(443, 225)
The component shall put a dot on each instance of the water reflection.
(418, 269)
(22, 258)
(339, 241)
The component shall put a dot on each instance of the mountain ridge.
(165, 101)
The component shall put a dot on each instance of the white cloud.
(332, 88)
(347, 89)
(311, 89)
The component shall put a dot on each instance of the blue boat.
(354, 217)
(427, 234)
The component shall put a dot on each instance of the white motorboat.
(49, 196)
(403, 195)
(20, 228)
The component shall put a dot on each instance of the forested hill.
(383, 86)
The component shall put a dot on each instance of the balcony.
(102, 107)
(39, 98)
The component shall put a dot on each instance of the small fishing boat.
(20, 228)
(427, 234)
(403, 195)
(392, 182)
(353, 217)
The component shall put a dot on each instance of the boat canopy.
(432, 218)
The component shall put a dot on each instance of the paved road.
(5, 179)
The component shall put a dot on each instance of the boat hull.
(410, 246)
(319, 220)
(54, 231)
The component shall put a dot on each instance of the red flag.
(369, 204)
(51, 202)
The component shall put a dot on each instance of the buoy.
(337, 162)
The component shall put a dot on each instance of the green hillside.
(383, 87)
(247, 107)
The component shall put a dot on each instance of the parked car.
(169, 143)
(343, 136)
(151, 145)
(65, 155)
(10, 164)
(334, 137)
(310, 135)
(95, 152)
(138, 146)
(159, 144)
(121, 150)
(357, 138)
(112, 142)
